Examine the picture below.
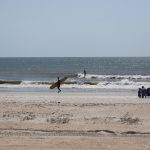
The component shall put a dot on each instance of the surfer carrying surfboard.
(58, 85)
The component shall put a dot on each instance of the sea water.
(103, 73)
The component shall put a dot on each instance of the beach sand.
(43, 121)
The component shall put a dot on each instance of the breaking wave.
(101, 82)
(93, 76)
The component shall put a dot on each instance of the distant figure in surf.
(84, 73)
(58, 85)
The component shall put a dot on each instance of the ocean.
(103, 73)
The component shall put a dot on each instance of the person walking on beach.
(58, 85)
(84, 73)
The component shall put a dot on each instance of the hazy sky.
(74, 28)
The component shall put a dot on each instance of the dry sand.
(43, 121)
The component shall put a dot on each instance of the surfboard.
(61, 82)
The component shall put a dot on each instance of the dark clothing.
(148, 91)
(84, 73)
(139, 93)
(143, 91)
(58, 85)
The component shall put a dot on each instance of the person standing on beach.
(139, 93)
(84, 73)
(58, 85)
(143, 90)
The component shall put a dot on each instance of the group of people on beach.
(142, 92)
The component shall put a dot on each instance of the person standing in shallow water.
(84, 73)
(58, 85)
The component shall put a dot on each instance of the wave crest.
(93, 76)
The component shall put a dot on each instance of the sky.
(74, 28)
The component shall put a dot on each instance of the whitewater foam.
(91, 81)
(92, 76)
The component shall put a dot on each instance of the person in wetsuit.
(58, 85)
(84, 73)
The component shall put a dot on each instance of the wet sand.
(39, 120)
